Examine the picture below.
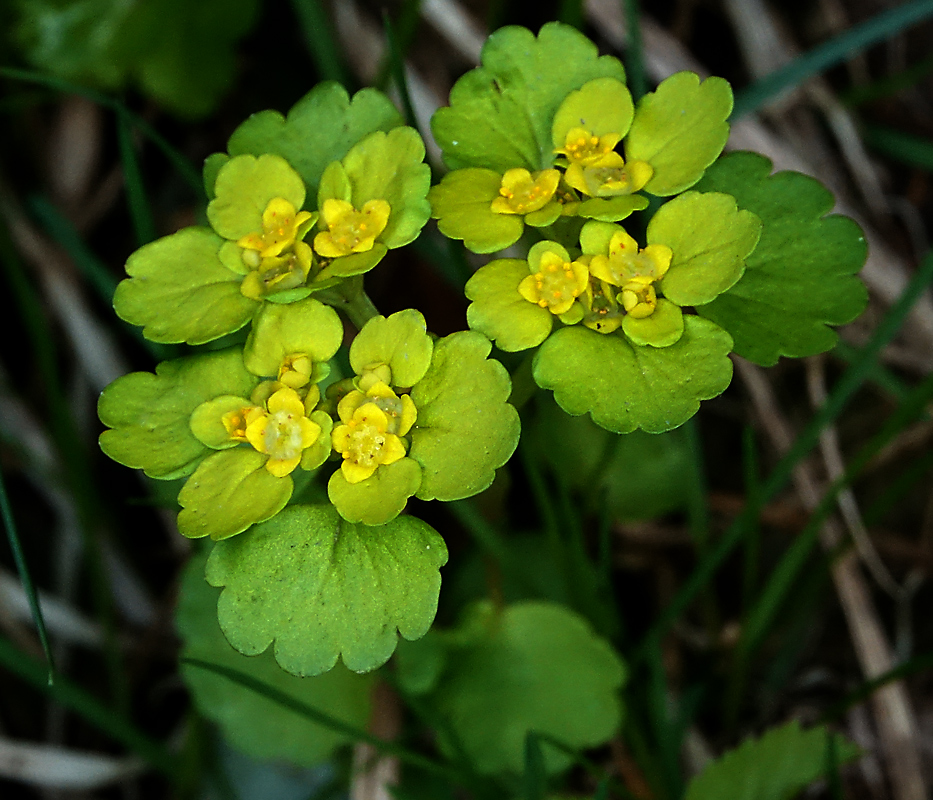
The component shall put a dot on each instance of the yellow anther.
(522, 192)
(350, 231)
(556, 284)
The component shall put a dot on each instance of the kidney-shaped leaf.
(624, 386)
(801, 277)
(322, 588)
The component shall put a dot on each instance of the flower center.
(281, 227)
(350, 231)
(522, 192)
(295, 370)
(283, 432)
(583, 147)
(556, 283)
(639, 298)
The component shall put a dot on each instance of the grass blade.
(322, 41)
(140, 212)
(534, 781)
(321, 718)
(23, 570)
(397, 70)
(89, 708)
(854, 377)
(634, 56)
(915, 151)
(189, 173)
(877, 29)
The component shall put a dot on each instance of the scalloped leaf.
(501, 113)
(321, 127)
(500, 312)
(307, 327)
(253, 723)
(601, 106)
(399, 340)
(536, 666)
(150, 414)
(680, 129)
(461, 204)
(322, 588)
(378, 499)
(243, 187)
(180, 291)
(801, 278)
(624, 386)
(775, 767)
(710, 239)
(466, 429)
(229, 491)
(390, 166)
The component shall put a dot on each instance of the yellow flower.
(283, 432)
(582, 147)
(350, 231)
(608, 176)
(625, 262)
(522, 192)
(281, 228)
(373, 424)
(555, 284)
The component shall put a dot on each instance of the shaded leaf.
(322, 588)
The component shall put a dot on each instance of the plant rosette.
(624, 349)
(532, 139)
(235, 422)
(421, 418)
(263, 245)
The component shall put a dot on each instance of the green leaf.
(320, 128)
(801, 276)
(601, 106)
(710, 239)
(400, 340)
(637, 475)
(229, 491)
(680, 129)
(250, 722)
(466, 429)
(378, 499)
(533, 667)
(390, 166)
(306, 327)
(500, 312)
(243, 188)
(322, 588)
(150, 413)
(501, 113)
(662, 329)
(461, 204)
(183, 53)
(775, 767)
(180, 291)
(624, 386)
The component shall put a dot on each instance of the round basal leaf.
(243, 188)
(390, 166)
(710, 239)
(636, 475)
(680, 129)
(149, 413)
(183, 54)
(322, 588)
(801, 278)
(180, 291)
(379, 498)
(624, 386)
(400, 340)
(533, 667)
(500, 312)
(320, 128)
(250, 722)
(229, 491)
(304, 328)
(599, 107)
(465, 429)
(501, 113)
(461, 204)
